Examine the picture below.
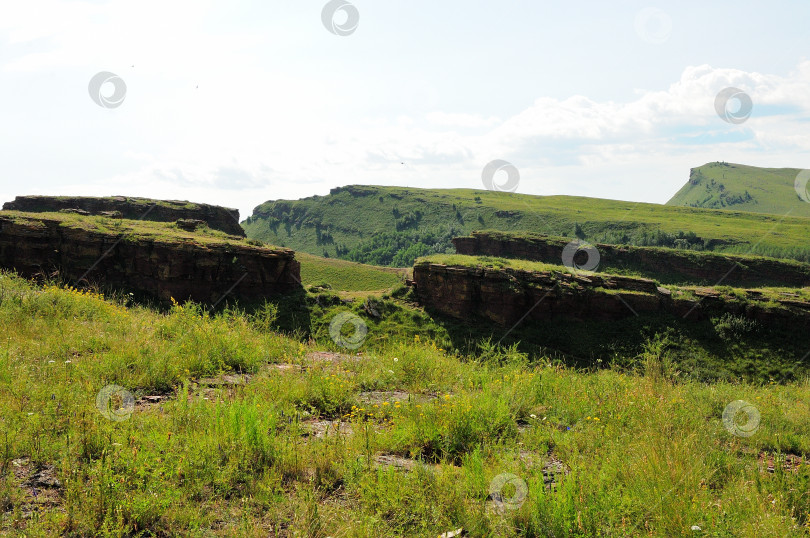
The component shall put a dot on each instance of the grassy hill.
(721, 185)
(394, 225)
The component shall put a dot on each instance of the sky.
(236, 103)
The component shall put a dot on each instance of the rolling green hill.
(721, 185)
(394, 225)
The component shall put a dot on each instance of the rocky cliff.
(156, 263)
(508, 296)
(665, 265)
(216, 217)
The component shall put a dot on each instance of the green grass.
(131, 229)
(723, 185)
(641, 454)
(347, 276)
(395, 225)
(492, 262)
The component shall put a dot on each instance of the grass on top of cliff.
(132, 200)
(134, 229)
(672, 249)
(676, 251)
(769, 294)
(492, 262)
(405, 439)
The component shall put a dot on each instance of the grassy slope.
(643, 455)
(724, 186)
(354, 214)
(347, 276)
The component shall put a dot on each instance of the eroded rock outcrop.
(666, 265)
(180, 267)
(508, 296)
(216, 217)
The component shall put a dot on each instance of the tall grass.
(641, 454)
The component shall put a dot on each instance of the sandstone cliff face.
(509, 296)
(668, 266)
(163, 268)
(217, 218)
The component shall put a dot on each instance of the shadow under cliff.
(721, 348)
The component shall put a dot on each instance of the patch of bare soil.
(398, 462)
(404, 463)
(381, 396)
(553, 470)
(331, 357)
(219, 388)
(40, 486)
(212, 388)
(320, 429)
(225, 380)
(552, 467)
(284, 367)
(769, 462)
(151, 401)
(458, 533)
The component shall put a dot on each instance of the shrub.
(729, 326)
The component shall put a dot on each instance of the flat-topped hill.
(216, 217)
(602, 318)
(156, 259)
(668, 265)
(506, 291)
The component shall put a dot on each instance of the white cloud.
(470, 121)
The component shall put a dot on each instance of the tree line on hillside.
(400, 249)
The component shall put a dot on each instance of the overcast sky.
(239, 102)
